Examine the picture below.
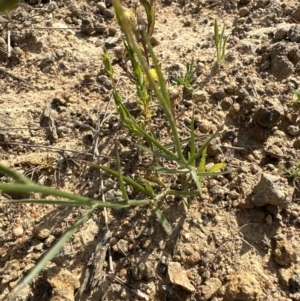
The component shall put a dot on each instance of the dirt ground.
(238, 241)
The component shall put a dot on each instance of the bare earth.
(238, 241)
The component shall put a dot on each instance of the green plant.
(296, 98)
(220, 42)
(137, 76)
(293, 171)
(149, 188)
(189, 77)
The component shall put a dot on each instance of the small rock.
(214, 147)
(119, 52)
(108, 13)
(200, 97)
(75, 10)
(261, 3)
(295, 281)
(18, 231)
(211, 287)
(241, 93)
(219, 94)
(269, 219)
(229, 135)
(10, 271)
(154, 41)
(243, 287)
(48, 242)
(100, 28)
(38, 247)
(294, 213)
(281, 34)
(281, 67)
(178, 276)
(283, 253)
(274, 151)
(111, 41)
(294, 34)
(101, 6)
(204, 126)
(194, 258)
(145, 242)
(234, 110)
(226, 103)
(62, 130)
(269, 114)
(294, 297)
(259, 133)
(284, 276)
(272, 209)
(122, 273)
(293, 130)
(244, 11)
(104, 81)
(142, 271)
(187, 23)
(245, 47)
(41, 234)
(112, 31)
(173, 93)
(87, 26)
(164, 260)
(121, 247)
(272, 190)
(296, 143)
(63, 283)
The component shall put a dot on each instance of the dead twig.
(57, 149)
(296, 21)
(2, 70)
(132, 290)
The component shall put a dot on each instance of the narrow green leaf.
(183, 193)
(100, 204)
(209, 174)
(51, 253)
(200, 151)
(107, 64)
(163, 97)
(185, 204)
(216, 167)
(202, 163)
(120, 176)
(157, 154)
(192, 141)
(14, 175)
(154, 179)
(44, 190)
(196, 180)
(150, 12)
(162, 219)
(148, 187)
(151, 139)
(186, 140)
(115, 174)
(171, 171)
(216, 33)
